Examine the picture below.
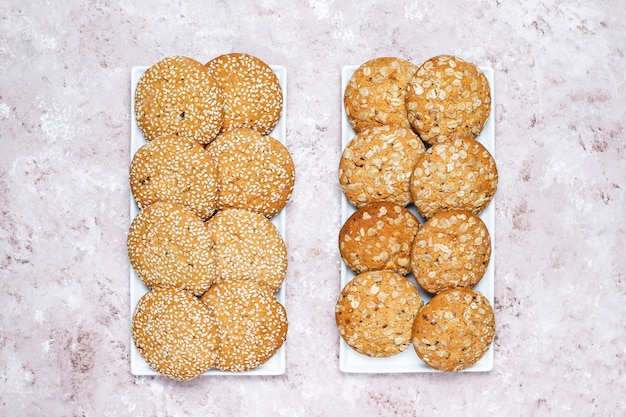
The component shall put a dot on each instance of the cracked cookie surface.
(448, 98)
(378, 236)
(376, 92)
(376, 165)
(454, 329)
(451, 249)
(375, 313)
(454, 174)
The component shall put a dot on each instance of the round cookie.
(178, 96)
(175, 333)
(376, 92)
(454, 174)
(452, 249)
(378, 236)
(252, 323)
(375, 313)
(177, 170)
(255, 172)
(253, 96)
(448, 98)
(376, 165)
(454, 329)
(247, 245)
(170, 246)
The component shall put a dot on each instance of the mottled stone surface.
(560, 208)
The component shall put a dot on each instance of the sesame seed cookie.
(452, 249)
(255, 172)
(178, 96)
(177, 170)
(252, 93)
(375, 313)
(448, 98)
(375, 94)
(175, 333)
(378, 236)
(454, 174)
(376, 165)
(170, 246)
(253, 324)
(247, 245)
(454, 329)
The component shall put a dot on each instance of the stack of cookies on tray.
(208, 181)
(418, 179)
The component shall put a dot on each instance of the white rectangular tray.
(351, 361)
(138, 366)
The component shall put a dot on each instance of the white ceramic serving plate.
(351, 361)
(138, 366)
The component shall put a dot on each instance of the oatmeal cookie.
(378, 236)
(255, 172)
(454, 174)
(252, 93)
(170, 246)
(376, 93)
(178, 96)
(454, 329)
(376, 165)
(177, 170)
(452, 249)
(247, 245)
(252, 323)
(448, 98)
(175, 333)
(375, 313)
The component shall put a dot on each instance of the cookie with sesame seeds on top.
(252, 323)
(247, 245)
(375, 311)
(175, 169)
(376, 165)
(448, 98)
(454, 329)
(454, 174)
(452, 249)
(255, 172)
(175, 333)
(253, 96)
(376, 93)
(170, 246)
(178, 96)
(378, 236)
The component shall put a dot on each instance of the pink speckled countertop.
(560, 271)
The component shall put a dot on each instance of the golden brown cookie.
(454, 329)
(253, 324)
(375, 313)
(252, 93)
(170, 246)
(247, 245)
(175, 333)
(448, 98)
(454, 174)
(452, 249)
(255, 172)
(376, 93)
(378, 236)
(178, 96)
(177, 170)
(376, 165)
